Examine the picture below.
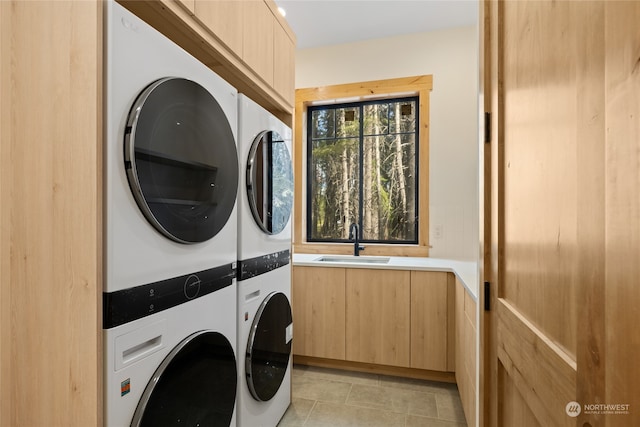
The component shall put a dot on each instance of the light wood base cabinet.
(378, 317)
(396, 318)
(318, 299)
(432, 345)
(466, 351)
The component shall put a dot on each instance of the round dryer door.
(269, 346)
(194, 386)
(270, 182)
(181, 160)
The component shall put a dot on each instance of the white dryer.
(265, 328)
(170, 224)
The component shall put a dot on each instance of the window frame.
(419, 86)
(360, 104)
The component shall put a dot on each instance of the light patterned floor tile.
(297, 413)
(319, 389)
(334, 398)
(335, 415)
(396, 400)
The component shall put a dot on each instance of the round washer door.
(269, 346)
(181, 160)
(270, 182)
(194, 385)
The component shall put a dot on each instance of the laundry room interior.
(261, 213)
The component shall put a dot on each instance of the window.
(330, 104)
(362, 168)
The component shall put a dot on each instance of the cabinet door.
(378, 316)
(257, 40)
(318, 297)
(465, 336)
(224, 19)
(429, 316)
(283, 64)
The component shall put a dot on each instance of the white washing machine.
(170, 224)
(265, 328)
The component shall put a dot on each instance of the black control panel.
(253, 267)
(124, 306)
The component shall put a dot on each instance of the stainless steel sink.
(354, 259)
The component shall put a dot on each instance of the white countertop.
(466, 271)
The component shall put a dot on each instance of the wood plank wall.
(50, 213)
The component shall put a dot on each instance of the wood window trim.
(410, 86)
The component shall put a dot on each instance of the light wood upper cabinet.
(429, 320)
(246, 42)
(224, 19)
(318, 297)
(283, 64)
(253, 32)
(257, 41)
(378, 321)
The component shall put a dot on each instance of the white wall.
(451, 56)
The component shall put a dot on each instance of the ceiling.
(327, 22)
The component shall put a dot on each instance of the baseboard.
(422, 374)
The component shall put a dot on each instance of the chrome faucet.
(355, 236)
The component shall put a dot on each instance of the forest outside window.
(341, 121)
(362, 167)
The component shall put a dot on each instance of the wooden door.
(563, 213)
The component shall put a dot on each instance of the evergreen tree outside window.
(362, 167)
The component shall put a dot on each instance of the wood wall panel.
(540, 179)
(51, 208)
(6, 172)
(514, 410)
(591, 208)
(622, 98)
(539, 368)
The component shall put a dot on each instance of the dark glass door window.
(181, 160)
(270, 182)
(194, 386)
(269, 347)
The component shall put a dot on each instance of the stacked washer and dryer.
(171, 180)
(192, 336)
(265, 328)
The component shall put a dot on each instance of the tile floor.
(333, 398)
